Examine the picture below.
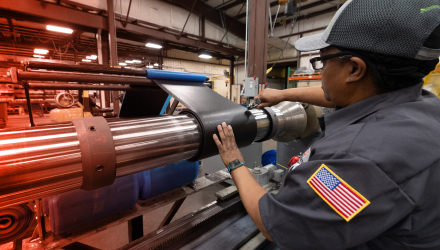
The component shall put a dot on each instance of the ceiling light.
(86, 60)
(127, 67)
(205, 56)
(39, 56)
(92, 57)
(154, 46)
(156, 64)
(59, 29)
(41, 51)
(137, 61)
(123, 64)
(129, 61)
(150, 66)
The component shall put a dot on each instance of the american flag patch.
(346, 201)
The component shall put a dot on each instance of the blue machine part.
(269, 157)
(177, 76)
(76, 208)
(163, 179)
(165, 105)
(79, 207)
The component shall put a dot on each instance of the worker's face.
(333, 79)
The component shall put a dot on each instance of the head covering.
(402, 28)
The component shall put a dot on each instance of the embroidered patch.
(340, 196)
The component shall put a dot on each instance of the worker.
(372, 181)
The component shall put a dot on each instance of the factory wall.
(210, 67)
(320, 21)
(163, 14)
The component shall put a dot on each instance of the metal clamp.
(98, 153)
(274, 124)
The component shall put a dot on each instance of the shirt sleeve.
(298, 218)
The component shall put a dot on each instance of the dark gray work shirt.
(387, 150)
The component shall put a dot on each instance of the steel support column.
(231, 76)
(258, 36)
(113, 49)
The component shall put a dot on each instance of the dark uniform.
(379, 166)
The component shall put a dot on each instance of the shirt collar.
(348, 115)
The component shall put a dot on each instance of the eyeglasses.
(318, 62)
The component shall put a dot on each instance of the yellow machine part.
(63, 115)
(68, 114)
(432, 82)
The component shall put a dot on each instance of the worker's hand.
(227, 147)
(270, 97)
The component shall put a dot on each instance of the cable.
(290, 35)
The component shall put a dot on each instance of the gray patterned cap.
(390, 27)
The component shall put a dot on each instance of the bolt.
(92, 128)
(99, 168)
(257, 170)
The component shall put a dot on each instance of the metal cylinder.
(57, 86)
(39, 162)
(263, 123)
(85, 68)
(291, 119)
(83, 77)
(35, 163)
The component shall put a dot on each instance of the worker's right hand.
(270, 97)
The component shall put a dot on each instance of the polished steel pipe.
(39, 162)
(56, 86)
(291, 118)
(85, 68)
(35, 163)
(82, 77)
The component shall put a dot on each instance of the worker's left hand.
(227, 147)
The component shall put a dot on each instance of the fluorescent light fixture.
(205, 56)
(92, 57)
(129, 61)
(39, 56)
(156, 64)
(123, 64)
(41, 51)
(59, 29)
(150, 66)
(86, 60)
(137, 61)
(127, 67)
(154, 46)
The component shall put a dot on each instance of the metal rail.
(83, 77)
(57, 86)
(86, 68)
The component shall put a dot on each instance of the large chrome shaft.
(35, 163)
(39, 162)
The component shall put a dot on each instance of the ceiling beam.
(302, 8)
(31, 10)
(314, 14)
(231, 5)
(164, 36)
(213, 15)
